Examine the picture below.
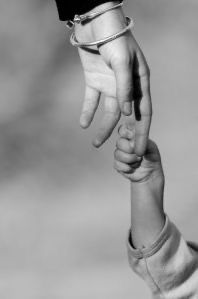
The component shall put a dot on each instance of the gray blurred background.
(64, 212)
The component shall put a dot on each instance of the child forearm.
(157, 252)
(147, 213)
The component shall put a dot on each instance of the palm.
(100, 79)
(98, 75)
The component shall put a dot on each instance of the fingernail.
(127, 109)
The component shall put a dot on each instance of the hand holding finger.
(126, 158)
(127, 131)
(125, 145)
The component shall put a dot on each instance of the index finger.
(142, 105)
(124, 85)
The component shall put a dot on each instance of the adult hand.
(119, 71)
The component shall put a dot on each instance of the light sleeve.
(169, 266)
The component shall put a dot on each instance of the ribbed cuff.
(157, 244)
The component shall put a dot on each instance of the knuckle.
(124, 60)
(122, 144)
(127, 168)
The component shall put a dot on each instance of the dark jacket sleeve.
(67, 9)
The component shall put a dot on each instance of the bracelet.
(76, 43)
(88, 17)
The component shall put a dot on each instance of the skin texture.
(147, 186)
(119, 71)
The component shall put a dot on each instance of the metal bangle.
(76, 43)
(88, 17)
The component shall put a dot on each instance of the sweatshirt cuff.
(145, 252)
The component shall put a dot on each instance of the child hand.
(147, 186)
(136, 169)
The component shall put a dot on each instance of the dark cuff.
(68, 9)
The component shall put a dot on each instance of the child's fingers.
(125, 145)
(126, 158)
(126, 132)
(122, 167)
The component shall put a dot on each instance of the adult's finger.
(90, 105)
(142, 104)
(123, 71)
(111, 117)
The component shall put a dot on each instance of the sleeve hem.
(157, 244)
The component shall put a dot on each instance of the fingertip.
(126, 108)
(84, 125)
(84, 122)
(96, 143)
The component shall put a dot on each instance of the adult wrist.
(102, 26)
